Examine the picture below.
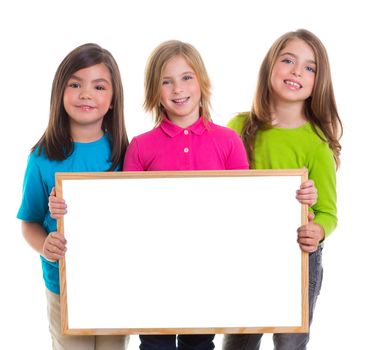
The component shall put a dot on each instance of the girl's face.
(180, 92)
(293, 73)
(87, 98)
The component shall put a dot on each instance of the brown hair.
(153, 77)
(56, 141)
(320, 108)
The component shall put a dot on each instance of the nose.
(296, 71)
(177, 88)
(85, 94)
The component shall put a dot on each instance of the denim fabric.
(284, 341)
(184, 342)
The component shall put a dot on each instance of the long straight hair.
(320, 108)
(153, 77)
(56, 142)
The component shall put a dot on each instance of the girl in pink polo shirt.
(177, 92)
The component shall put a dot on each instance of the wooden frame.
(121, 288)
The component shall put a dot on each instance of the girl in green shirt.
(294, 123)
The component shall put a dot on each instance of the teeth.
(292, 83)
(181, 100)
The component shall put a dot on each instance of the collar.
(173, 130)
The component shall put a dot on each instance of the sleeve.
(237, 122)
(237, 158)
(322, 171)
(34, 205)
(132, 159)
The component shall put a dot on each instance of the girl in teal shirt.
(85, 132)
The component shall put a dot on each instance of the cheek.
(310, 83)
(164, 93)
(195, 89)
(276, 74)
(66, 100)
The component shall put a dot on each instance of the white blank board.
(207, 252)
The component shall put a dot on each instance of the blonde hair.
(320, 108)
(156, 64)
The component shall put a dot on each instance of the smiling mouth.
(293, 84)
(180, 100)
(85, 107)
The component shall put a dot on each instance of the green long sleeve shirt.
(283, 148)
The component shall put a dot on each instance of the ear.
(111, 107)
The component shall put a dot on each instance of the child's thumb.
(310, 217)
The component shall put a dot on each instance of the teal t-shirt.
(38, 182)
(283, 148)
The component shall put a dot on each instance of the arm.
(51, 246)
(57, 206)
(323, 171)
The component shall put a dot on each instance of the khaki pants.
(72, 342)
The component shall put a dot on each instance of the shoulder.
(143, 141)
(222, 131)
(147, 136)
(315, 137)
(238, 121)
(224, 135)
(37, 157)
(314, 142)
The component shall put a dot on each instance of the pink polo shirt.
(197, 147)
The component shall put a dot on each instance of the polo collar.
(173, 130)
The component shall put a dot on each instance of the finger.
(58, 214)
(308, 248)
(308, 199)
(56, 238)
(53, 255)
(307, 184)
(307, 193)
(308, 244)
(305, 190)
(309, 241)
(311, 217)
(57, 205)
(55, 250)
(56, 201)
(304, 232)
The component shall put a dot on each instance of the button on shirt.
(201, 146)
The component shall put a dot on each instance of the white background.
(232, 36)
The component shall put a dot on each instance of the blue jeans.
(284, 341)
(184, 342)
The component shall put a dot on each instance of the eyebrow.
(294, 55)
(100, 80)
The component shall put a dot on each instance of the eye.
(74, 85)
(100, 87)
(187, 77)
(310, 69)
(287, 60)
(165, 82)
